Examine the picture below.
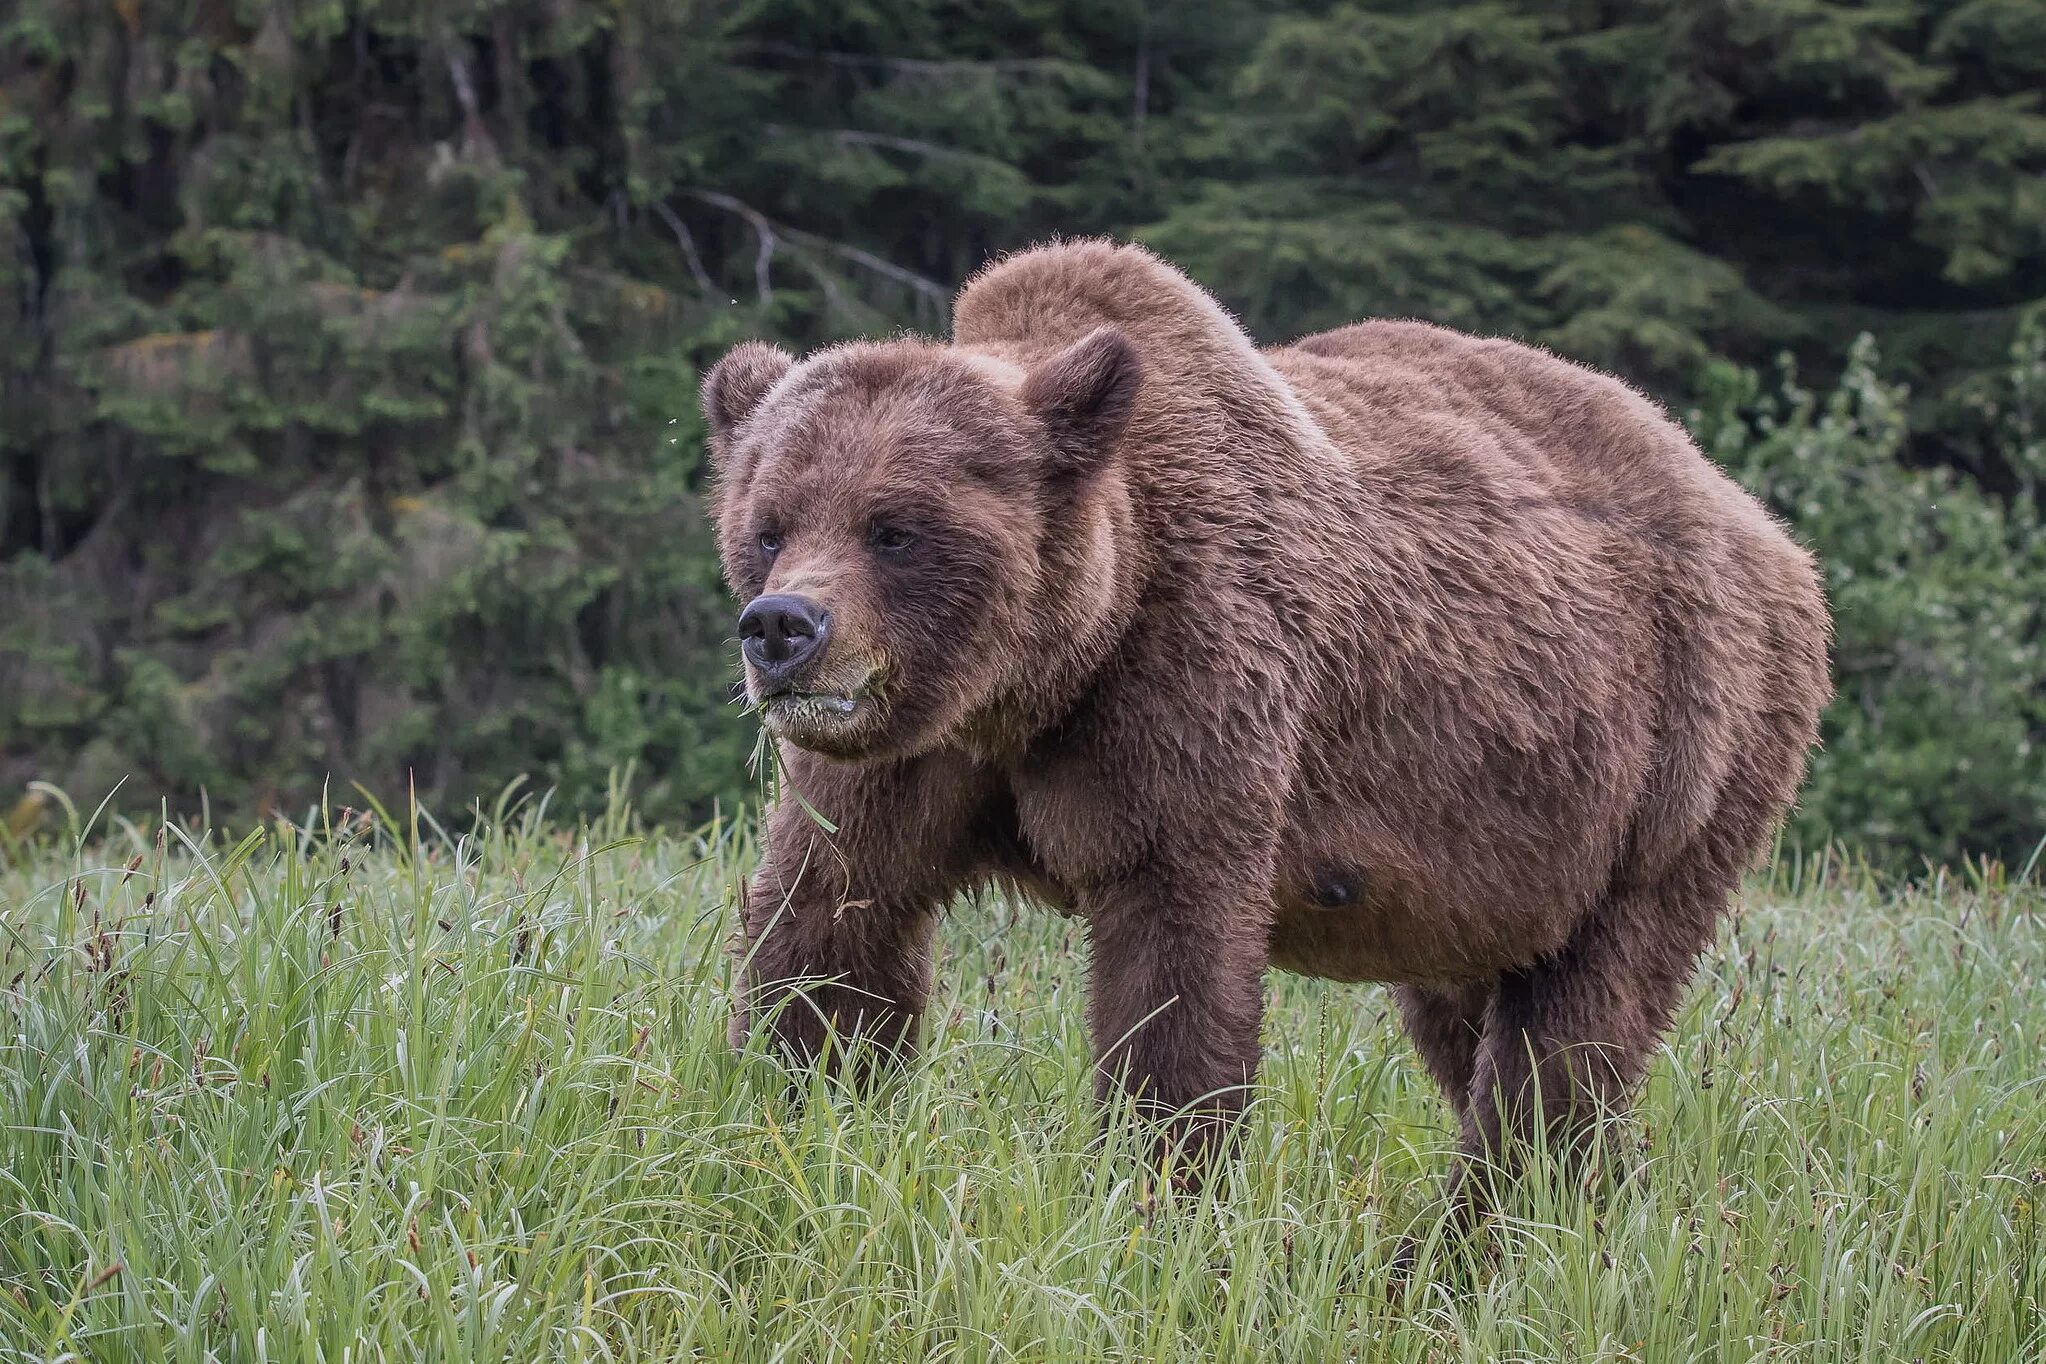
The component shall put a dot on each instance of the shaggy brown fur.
(1393, 654)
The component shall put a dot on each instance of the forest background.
(349, 348)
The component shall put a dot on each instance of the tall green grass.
(381, 1089)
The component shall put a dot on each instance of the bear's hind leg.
(1445, 1024)
(1566, 1039)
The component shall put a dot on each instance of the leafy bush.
(1936, 744)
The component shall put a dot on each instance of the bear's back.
(1494, 443)
(1414, 395)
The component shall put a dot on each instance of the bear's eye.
(770, 544)
(891, 539)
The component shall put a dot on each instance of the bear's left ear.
(737, 383)
(1084, 395)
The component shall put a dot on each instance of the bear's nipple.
(1336, 888)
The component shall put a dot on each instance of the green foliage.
(347, 380)
(469, 1097)
(1644, 185)
(1939, 599)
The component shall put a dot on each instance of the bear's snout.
(781, 632)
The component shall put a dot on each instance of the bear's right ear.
(1084, 395)
(737, 383)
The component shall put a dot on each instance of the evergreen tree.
(347, 414)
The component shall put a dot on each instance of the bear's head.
(898, 519)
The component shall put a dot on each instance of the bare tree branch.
(916, 145)
(835, 299)
(923, 66)
(762, 229)
(474, 131)
(927, 289)
(687, 241)
(861, 137)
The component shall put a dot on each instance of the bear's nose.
(779, 633)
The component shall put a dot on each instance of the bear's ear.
(737, 383)
(1084, 396)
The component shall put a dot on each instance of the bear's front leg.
(836, 927)
(829, 975)
(1177, 994)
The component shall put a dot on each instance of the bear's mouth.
(811, 706)
(814, 712)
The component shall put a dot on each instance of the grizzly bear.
(1391, 655)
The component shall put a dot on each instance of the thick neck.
(1092, 568)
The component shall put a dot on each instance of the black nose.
(779, 633)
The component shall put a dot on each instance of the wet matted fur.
(1393, 654)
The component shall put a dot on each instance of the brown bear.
(1393, 655)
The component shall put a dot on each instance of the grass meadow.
(375, 1089)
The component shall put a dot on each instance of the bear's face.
(882, 512)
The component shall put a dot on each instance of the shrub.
(1933, 747)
